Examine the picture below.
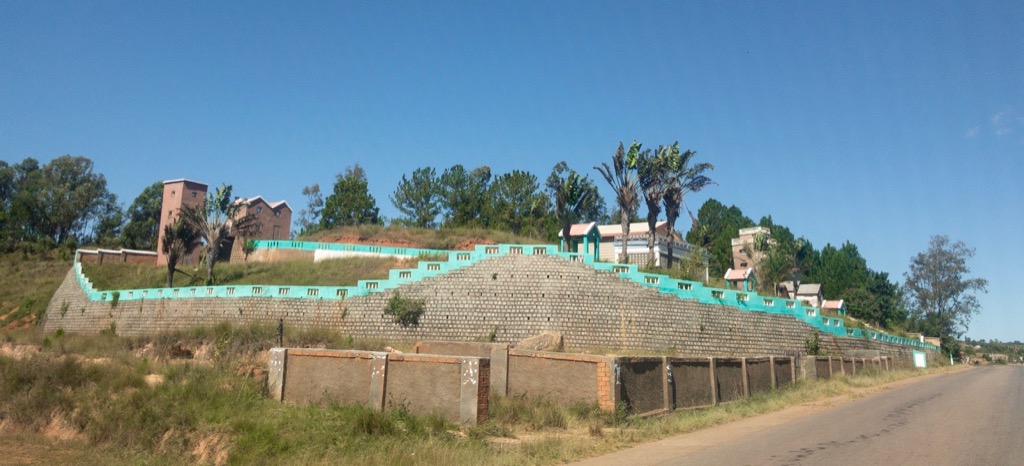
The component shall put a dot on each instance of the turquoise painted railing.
(683, 289)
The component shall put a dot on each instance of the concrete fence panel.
(785, 371)
(759, 375)
(847, 364)
(692, 385)
(456, 387)
(563, 378)
(823, 367)
(643, 384)
(730, 380)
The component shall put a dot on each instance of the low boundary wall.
(645, 384)
(456, 387)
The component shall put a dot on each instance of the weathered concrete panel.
(567, 379)
(783, 372)
(642, 382)
(312, 376)
(759, 375)
(823, 367)
(425, 385)
(691, 382)
(729, 379)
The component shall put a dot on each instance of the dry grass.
(444, 238)
(29, 282)
(338, 272)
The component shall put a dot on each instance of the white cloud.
(972, 132)
(997, 119)
(1002, 131)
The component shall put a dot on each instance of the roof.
(738, 274)
(579, 229)
(833, 304)
(809, 289)
(805, 288)
(634, 228)
(185, 180)
(273, 206)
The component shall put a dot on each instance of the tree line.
(65, 203)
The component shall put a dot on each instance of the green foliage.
(43, 207)
(813, 344)
(114, 298)
(309, 217)
(940, 293)
(405, 312)
(571, 194)
(213, 221)
(419, 198)
(143, 219)
(517, 204)
(716, 226)
(621, 178)
(179, 240)
(464, 195)
(351, 202)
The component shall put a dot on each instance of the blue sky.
(881, 123)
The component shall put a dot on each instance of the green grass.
(337, 272)
(215, 409)
(29, 282)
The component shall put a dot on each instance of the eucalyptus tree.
(621, 178)
(684, 178)
(571, 194)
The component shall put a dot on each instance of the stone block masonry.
(508, 297)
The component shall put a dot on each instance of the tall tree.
(716, 226)
(351, 202)
(464, 195)
(309, 217)
(517, 203)
(179, 240)
(212, 221)
(623, 182)
(570, 194)
(107, 223)
(419, 198)
(143, 219)
(941, 294)
(684, 177)
(652, 177)
(70, 194)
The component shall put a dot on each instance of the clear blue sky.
(881, 123)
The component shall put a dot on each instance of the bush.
(406, 312)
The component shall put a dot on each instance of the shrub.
(406, 312)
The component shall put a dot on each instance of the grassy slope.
(444, 238)
(339, 272)
(28, 284)
(217, 410)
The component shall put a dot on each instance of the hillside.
(451, 239)
(29, 282)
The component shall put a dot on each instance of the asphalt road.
(970, 417)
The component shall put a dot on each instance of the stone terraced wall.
(511, 296)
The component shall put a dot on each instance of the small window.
(259, 210)
(277, 214)
(193, 194)
(717, 294)
(172, 193)
(685, 286)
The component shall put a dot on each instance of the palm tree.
(653, 178)
(179, 240)
(570, 195)
(620, 177)
(213, 221)
(683, 179)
